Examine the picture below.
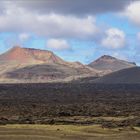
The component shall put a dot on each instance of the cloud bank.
(72, 7)
(132, 12)
(114, 39)
(58, 44)
(51, 25)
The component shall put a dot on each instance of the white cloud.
(114, 39)
(120, 56)
(58, 44)
(138, 36)
(18, 19)
(133, 12)
(24, 36)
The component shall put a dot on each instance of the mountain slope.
(110, 64)
(32, 65)
(29, 55)
(47, 72)
(129, 76)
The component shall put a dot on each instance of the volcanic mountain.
(110, 64)
(34, 65)
(29, 55)
(125, 76)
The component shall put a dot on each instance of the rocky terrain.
(57, 102)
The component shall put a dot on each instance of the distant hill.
(29, 55)
(110, 64)
(128, 76)
(34, 65)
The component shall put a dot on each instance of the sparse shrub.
(3, 121)
(109, 125)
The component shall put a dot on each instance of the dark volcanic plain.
(55, 102)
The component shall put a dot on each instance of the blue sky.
(73, 34)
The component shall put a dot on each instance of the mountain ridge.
(23, 55)
(107, 62)
(125, 76)
(35, 64)
(28, 64)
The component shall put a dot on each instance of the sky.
(75, 30)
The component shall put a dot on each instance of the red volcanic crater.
(26, 55)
